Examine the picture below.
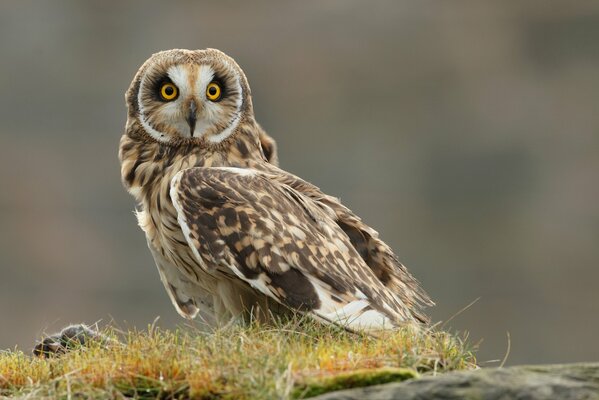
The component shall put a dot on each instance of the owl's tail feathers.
(356, 313)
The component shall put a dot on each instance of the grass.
(293, 359)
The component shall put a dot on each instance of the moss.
(352, 379)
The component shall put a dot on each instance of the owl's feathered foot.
(70, 338)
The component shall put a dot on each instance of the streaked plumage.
(231, 233)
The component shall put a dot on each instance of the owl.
(232, 234)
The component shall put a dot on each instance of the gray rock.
(543, 382)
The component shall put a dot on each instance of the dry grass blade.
(507, 351)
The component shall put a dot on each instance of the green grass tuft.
(295, 359)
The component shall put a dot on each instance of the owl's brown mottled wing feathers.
(375, 253)
(250, 225)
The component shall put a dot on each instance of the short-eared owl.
(231, 233)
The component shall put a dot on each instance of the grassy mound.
(295, 359)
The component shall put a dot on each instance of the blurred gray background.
(466, 133)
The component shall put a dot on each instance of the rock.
(543, 382)
(70, 338)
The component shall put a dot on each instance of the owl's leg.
(70, 338)
(228, 303)
(221, 312)
(235, 301)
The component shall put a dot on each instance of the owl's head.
(189, 95)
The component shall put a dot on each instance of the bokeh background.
(467, 133)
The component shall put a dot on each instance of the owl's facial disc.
(190, 100)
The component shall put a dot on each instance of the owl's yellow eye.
(168, 92)
(213, 91)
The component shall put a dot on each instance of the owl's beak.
(191, 117)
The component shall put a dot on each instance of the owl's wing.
(365, 240)
(278, 241)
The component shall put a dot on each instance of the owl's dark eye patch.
(168, 92)
(163, 89)
(211, 90)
